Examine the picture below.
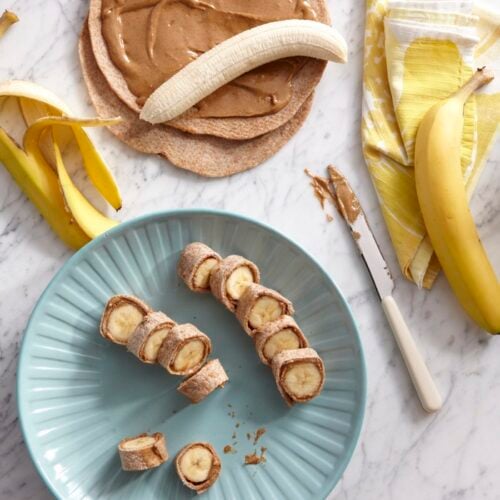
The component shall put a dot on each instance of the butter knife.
(349, 207)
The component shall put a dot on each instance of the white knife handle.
(419, 373)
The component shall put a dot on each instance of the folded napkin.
(417, 53)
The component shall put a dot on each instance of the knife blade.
(349, 207)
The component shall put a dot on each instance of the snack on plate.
(231, 278)
(260, 305)
(196, 265)
(185, 350)
(198, 466)
(143, 452)
(299, 374)
(277, 336)
(204, 382)
(147, 338)
(122, 314)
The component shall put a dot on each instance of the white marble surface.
(403, 453)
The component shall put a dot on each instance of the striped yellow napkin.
(416, 53)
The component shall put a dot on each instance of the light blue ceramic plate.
(78, 395)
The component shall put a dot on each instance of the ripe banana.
(200, 385)
(444, 204)
(142, 452)
(265, 310)
(122, 315)
(238, 282)
(231, 278)
(189, 355)
(238, 55)
(260, 305)
(198, 466)
(277, 336)
(299, 374)
(201, 278)
(184, 350)
(196, 264)
(146, 339)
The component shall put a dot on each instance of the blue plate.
(78, 395)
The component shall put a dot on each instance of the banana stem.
(6, 21)
(479, 79)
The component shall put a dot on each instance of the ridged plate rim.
(162, 216)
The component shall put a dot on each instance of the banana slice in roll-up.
(143, 452)
(185, 350)
(196, 265)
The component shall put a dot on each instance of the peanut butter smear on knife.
(151, 40)
(336, 189)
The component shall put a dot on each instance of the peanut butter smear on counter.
(347, 201)
(151, 40)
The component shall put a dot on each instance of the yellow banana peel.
(51, 190)
(40, 184)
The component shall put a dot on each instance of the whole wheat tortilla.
(303, 84)
(205, 155)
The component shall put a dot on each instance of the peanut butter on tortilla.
(150, 40)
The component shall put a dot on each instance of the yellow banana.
(443, 201)
(40, 184)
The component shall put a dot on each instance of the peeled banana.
(196, 264)
(277, 336)
(299, 374)
(184, 350)
(444, 205)
(122, 315)
(198, 466)
(260, 305)
(142, 452)
(146, 339)
(237, 55)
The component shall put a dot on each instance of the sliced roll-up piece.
(185, 350)
(143, 452)
(198, 466)
(260, 305)
(231, 278)
(122, 315)
(147, 338)
(299, 374)
(277, 336)
(196, 265)
(204, 382)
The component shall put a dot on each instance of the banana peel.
(39, 169)
(41, 185)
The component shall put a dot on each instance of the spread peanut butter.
(150, 40)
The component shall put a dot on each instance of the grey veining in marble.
(403, 453)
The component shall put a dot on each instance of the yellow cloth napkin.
(417, 53)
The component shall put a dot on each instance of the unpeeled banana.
(443, 201)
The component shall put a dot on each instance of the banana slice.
(299, 374)
(259, 306)
(122, 315)
(204, 382)
(142, 452)
(147, 338)
(231, 278)
(198, 466)
(184, 350)
(277, 336)
(196, 265)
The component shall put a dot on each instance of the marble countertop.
(403, 453)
